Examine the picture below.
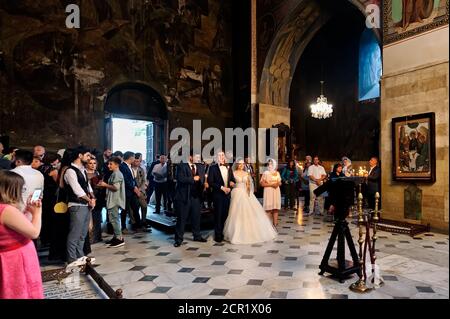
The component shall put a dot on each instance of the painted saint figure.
(415, 11)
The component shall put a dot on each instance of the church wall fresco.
(54, 80)
(408, 18)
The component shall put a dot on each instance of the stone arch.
(291, 39)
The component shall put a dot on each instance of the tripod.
(341, 192)
(344, 268)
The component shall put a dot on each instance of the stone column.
(254, 55)
(254, 74)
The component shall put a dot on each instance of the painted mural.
(406, 18)
(181, 48)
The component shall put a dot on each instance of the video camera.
(341, 192)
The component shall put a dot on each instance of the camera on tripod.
(341, 192)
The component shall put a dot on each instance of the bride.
(247, 222)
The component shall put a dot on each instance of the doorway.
(136, 119)
(133, 135)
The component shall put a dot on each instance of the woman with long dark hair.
(49, 169)
(337, 171)
(94, 177)
(60, 221)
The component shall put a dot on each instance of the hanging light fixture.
(321, 109)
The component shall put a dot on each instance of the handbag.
(60, 206)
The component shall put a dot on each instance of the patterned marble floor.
(148, 266)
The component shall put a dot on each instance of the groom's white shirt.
(224, 172)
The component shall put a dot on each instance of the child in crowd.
(115, 199)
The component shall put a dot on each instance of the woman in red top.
(20, 274)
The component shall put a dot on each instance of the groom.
(221, 180)
(188, 194)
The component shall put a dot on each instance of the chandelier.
(321, 109)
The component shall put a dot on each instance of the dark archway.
(136, 100)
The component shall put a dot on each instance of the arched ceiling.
(292, 36)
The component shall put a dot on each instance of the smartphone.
(36, 195)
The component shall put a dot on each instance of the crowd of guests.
(302, 179)
(79, 184)
(73, 187)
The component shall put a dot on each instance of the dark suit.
(220, 199)
(187, 198)
(5, 164)
(373, 186)
(132, 201)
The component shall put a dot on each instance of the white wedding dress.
(247, 222)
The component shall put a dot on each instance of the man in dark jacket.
(221, 181)
(5, 164)
(373, 182)
(132, 194)
(150, 178)
(188, 193)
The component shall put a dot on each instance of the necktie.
(193, 169)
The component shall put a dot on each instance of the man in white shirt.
(81, 201)
(33, 178)
(317, 175)
(159, 173)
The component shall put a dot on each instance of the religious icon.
(413, 148)
(406, 18)
(415, 11)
